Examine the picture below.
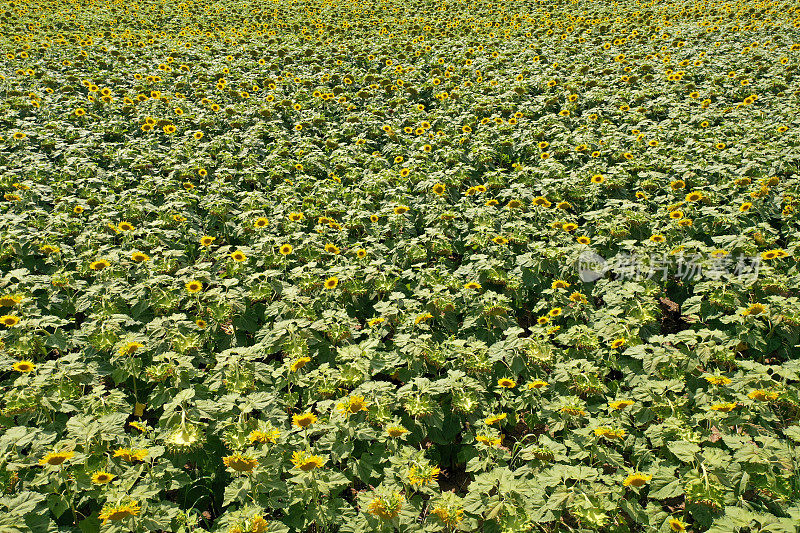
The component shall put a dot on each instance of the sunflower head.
(637, 479)
(506, 383)
(286, 249)
(24, 366)
(306, 462)
(240, 463)
(304, 420)
(101, 477)
(56, 458)
(9, 321)
(331, 282)
(194, 286)
(119, 512)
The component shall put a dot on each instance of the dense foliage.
(383, 265)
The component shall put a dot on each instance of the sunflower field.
(383, 265)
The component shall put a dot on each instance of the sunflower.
(773, 254)
(400, 209)
(207, 240)
(331, 282)
(24, 366)
(762, 395)
(500, 240)
(676, 215)
(201, 323)
(723, 407)
(332, 249)
(304, 420)
(9, 321)
(285, 249)
(396, 431)
(694, 196)
(194, 286)
(609, 433)
(473, 285)
(616, 343)
(754, 309)
(261, 222)
(306, 462)
(559, 284)
(130, 348)
(637, 479)
(131, 455)
(240, 463)
(619, 404)
(506, 383)
(676, 525)
(99, 264)
(353, 405)
(119, 512)
(361, 253)
(514, 204)
(101, 477)
(125, 226)
(583, 239)
(424, 475)
(495, 418)
(386, 507)
(598, 178)
(139, 257)
(56, 458)
(439, 189)
(537, 384)
(718, 380)
(238, 256)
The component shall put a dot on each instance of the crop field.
(355, 266)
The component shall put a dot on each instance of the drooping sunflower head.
(396, 431)
(306, 461)
(240, 463)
